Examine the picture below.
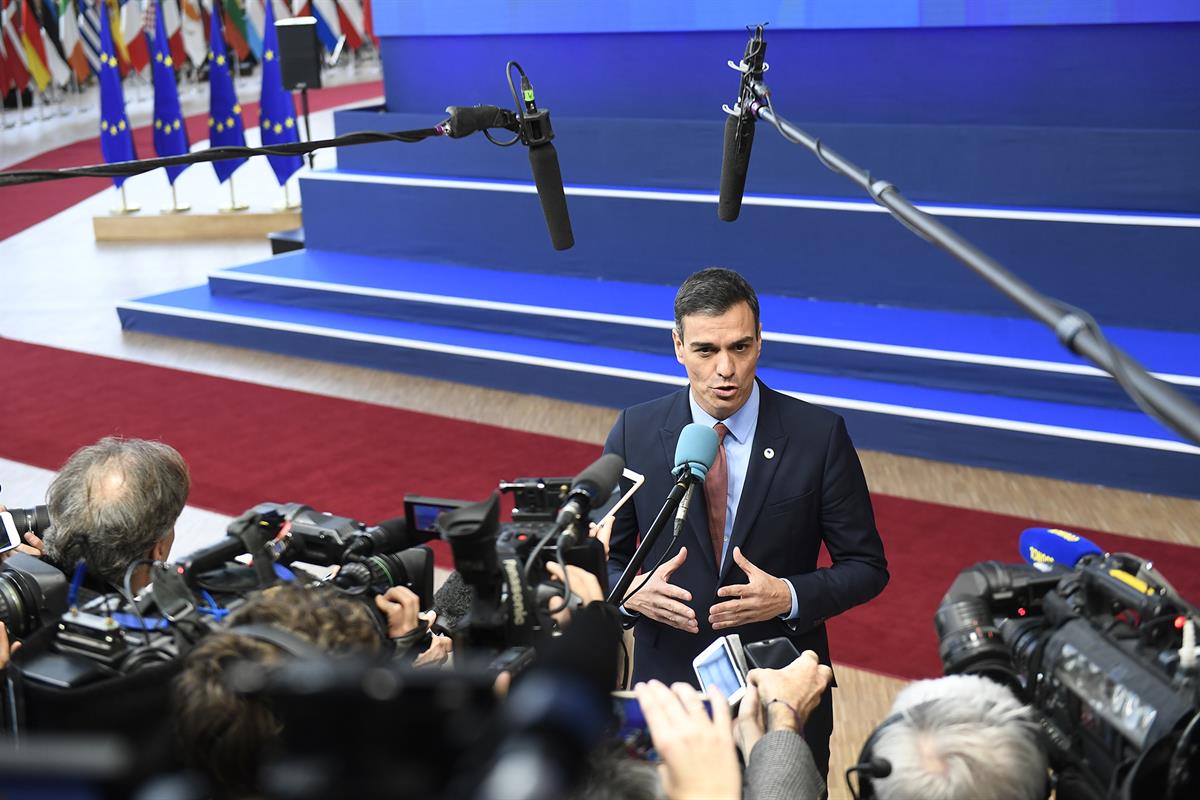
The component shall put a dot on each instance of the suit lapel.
(759, 474)
(696, 524)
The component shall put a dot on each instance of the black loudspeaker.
(299, 53)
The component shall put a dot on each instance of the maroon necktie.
(716, 494)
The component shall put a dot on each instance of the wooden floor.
(63, 288)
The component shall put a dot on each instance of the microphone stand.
(1075, 328)
(617, 595)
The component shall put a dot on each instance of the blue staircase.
(433, 260)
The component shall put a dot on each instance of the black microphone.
(536, 133)
(465, 120)
(592, 487)
(739, 131)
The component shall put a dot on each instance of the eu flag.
(116, 137)
(170, 134)
(277, 109)
(224, 112)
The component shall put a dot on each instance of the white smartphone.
(9, 538)
(717, 666)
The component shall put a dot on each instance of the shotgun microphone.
(536, 133)
(739, 130)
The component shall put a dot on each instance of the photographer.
(225, 735)
(959, 736)
(113, 504)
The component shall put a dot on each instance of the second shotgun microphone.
(590, 489)
(536, 133)
(739, 131)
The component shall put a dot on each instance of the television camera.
(1104, 650)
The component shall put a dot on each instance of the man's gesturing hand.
(664, 602)
(764, 597)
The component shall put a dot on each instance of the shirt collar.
(740, 425)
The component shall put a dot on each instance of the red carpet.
(247, 443)
(41, 201)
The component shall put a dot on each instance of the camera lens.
(969, 643)
(18, 604)
(30, 520)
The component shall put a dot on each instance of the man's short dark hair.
(713, 291)
(112, 501)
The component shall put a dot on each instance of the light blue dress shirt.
(739, 445)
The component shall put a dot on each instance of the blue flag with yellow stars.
(224, 112)
(170, 134)
(277, 108)
(116, 137)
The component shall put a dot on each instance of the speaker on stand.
(300, 62)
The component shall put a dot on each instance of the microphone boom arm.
(617, 595)
(1074, 327)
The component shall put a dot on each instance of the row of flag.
(277, 110)
(49, 41)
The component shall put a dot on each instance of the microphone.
(536, 132)
(695, 451)
(465, 120)
(739, 131)
(684, 505)
(1054, 546)
(590, 488)
(694, 454)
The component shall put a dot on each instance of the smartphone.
(632, 731)
(717, 666)
(9, 537)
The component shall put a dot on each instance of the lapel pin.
(769, 453)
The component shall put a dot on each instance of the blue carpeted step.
(1095, 445)
(951, 350)
(1127, 269)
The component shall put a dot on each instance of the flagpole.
(21, 106)
(125, 207)
(175, 207)
(233, 206)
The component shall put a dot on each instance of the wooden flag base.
(175, 227)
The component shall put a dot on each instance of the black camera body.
(504, 564)
(1098, 652)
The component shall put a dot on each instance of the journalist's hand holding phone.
(798, 686)
(662, 601)
(698, 755)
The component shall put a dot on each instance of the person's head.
(960, 736)
(115, 502)
(718, 338)
(226, 735)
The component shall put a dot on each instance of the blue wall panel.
(1104, 76)
(437, 17)
(1119, 169)
(1125, 275)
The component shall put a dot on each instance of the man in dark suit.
(786, 480)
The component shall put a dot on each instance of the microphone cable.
(124, 169)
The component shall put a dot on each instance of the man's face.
(720, 354)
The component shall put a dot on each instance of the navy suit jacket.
(811, 490)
